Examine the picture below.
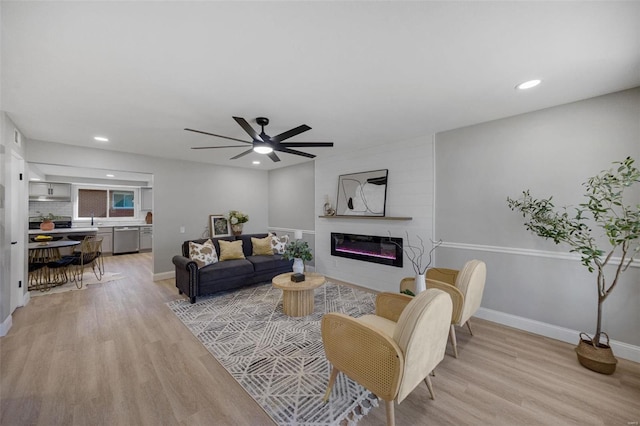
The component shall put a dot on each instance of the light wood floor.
(115, 355)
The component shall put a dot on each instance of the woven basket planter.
(599, 359)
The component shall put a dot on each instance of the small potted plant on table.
(300, 252)
(47, 222)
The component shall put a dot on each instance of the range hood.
(49, 191)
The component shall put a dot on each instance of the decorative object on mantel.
(362, 194)
(236, 219)
(416, 254)
(615, 219)
(299, 251)
(328, 210)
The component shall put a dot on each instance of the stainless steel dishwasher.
(126, 239)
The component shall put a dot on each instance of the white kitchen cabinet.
(107, 239)
(147, 198)
(49, 191)
(146, 238)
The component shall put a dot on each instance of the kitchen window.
(107, 203)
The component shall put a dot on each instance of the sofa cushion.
(278, 244)
(247, 248)
(267, 263)
(203, 254)
(230, 250)
(261, 246)
(225, 270)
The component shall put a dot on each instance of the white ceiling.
(359, 73)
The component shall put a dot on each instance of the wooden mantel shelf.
(367, 217)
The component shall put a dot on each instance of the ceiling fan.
(265, 144)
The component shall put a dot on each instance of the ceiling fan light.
(263, 149)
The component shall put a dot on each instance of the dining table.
(45, 269)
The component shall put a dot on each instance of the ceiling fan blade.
(242, 154)
(214, 147)
(219, 136)
(247, 128)
(307, 144)
(290, 133)
(293, 151)
(273, 156)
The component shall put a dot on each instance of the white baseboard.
(26, 298)
(6, 326)
(620, 349)
(164, 276)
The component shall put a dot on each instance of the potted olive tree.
(604, 211)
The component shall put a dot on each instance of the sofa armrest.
(186, 276)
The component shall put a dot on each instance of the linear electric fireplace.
(369, 248)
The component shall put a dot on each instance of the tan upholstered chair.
(465, 288)
(391, 352)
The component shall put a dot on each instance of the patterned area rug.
(280, 360)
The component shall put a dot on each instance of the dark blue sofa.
(229, 274)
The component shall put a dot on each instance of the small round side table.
(297, 298)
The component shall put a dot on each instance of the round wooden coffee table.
(297, 298)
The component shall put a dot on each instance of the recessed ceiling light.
(110, 175)
(101, 139)
(34, 179)
(528, 84)
(255, 162)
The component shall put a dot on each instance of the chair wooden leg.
(391, 418)
(469, 327)
(427, 380)
(452, 335)
(332, 380)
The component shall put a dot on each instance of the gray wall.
(291, 203)
(184, 193)
(291, 197)
(550, 152)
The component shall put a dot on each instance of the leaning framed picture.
(218, 225)
(362, 194)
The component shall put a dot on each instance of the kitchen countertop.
(113, 225)
(62, 231)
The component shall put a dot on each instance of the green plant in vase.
(237, 219)
(617, 221)
(300, 252)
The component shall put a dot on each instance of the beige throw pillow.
(231, 250)
(262, 246)
(203, 254)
